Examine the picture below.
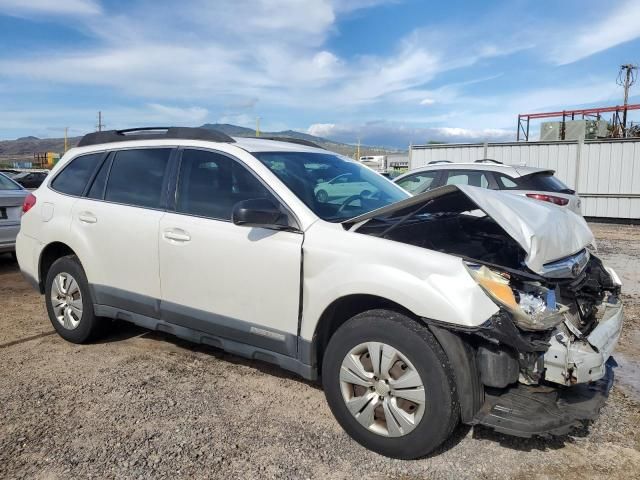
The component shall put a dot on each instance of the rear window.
(6, 184)
(137, 176)
(542, 182)
(74, 177)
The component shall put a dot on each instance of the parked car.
(9, 172)
(12, 197)
(343, 186)
(461, 304)
(536, 183)
(30, 179)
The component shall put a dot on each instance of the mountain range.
(27, 146)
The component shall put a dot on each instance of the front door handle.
(177, 235)
(87, 217)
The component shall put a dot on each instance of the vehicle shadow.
(124, 330)
(8, 264)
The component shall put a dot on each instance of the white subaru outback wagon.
(456, 305)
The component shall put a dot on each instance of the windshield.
(334, 187)
(6, 184)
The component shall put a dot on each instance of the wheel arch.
(460, 353)
(52, 252)
(341, 310)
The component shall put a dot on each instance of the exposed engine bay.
(557, 324)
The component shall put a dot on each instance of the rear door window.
(137, 177)
(210, 184)
(467, 177)
(420, 182)
(73, 179)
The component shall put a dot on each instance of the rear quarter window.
(73, 179)
(542, 182)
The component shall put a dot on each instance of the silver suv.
(535, 183)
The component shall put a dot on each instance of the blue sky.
(386, 71)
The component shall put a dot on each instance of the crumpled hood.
(545, 232)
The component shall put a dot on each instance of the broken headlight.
(533, 306)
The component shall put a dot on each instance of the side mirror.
(259, 212)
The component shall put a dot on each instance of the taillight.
(29, 202)
(548, 198)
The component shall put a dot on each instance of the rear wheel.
(389, 384)
(69, 303)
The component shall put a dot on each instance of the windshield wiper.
(392, 227)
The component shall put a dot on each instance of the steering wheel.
(347, 202)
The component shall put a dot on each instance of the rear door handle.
(87, 217)
(177, 235)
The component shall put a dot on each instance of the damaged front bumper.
(573, 358)
(526, 411)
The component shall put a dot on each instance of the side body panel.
(232, 272)
(118, 247)
(430, 284)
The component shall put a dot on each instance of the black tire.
(322, 196)
(442, 411)
(14, 256)
(90, 326)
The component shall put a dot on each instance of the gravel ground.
(141, 404)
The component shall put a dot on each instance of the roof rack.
(298, 141)
(482, 160)
(154, 133)
(433, 162)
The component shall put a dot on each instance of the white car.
(343, 186)
(417, 312)
(536, 183)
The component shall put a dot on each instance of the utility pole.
(100, 125)
(358, 151)
(66, 142)
(626, 78)
(257, 126)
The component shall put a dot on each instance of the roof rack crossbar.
(154, 133)
(433, 162)
(299, 141)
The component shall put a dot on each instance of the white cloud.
(400, 135)
(321, 129)
(427, 101)
(621, 23)
(189, 115)
(49, 7)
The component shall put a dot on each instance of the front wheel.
(322, 196)
(389, 384)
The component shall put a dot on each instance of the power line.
(626, 78)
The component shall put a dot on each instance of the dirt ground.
(141, 405)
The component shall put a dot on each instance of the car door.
(115, 227)
(236, 282)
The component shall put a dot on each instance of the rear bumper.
(526, 411)
(28, 252)
(8, 234)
